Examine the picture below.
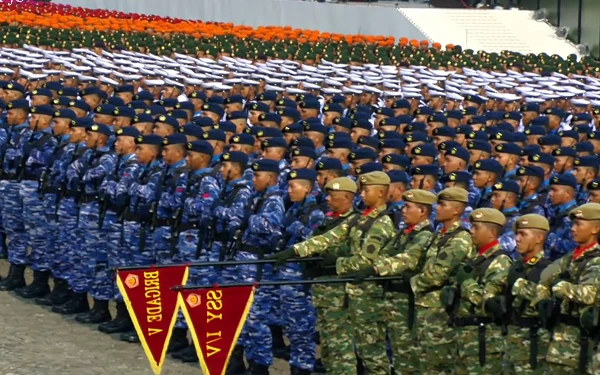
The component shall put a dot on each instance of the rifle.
(152, 210)
(178, 214)
(105, 200)
(20, 171)
(80, 192)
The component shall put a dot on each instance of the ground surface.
(35, 341)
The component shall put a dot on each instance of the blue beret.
(513, 116)
(169, 120)
(128, 131)
(520, 137)
(214, 108)
(368, 168)
(233, 99)
(203, 121)
(362, 153)
(594, 184)
(45, 110)
(293, 129)
(539, 157)
(384, 111)
(302, 174)
(469, 111)
(581, 117)
(360, 116)
(530, 108)
(556, 112)
(270, 116)
(503, 136)
(201, 95)
(584, 147)
(81, 122)
(361, 108)
(535, 130)
(594, 135)
(265, 165)
(18, 104)
(587, 161)
(226, 126)
(425, 170)
(565, 179)
(124, 112)
(539, 121)
(415, 137)
(325, 164)
(201, 146)
(477, 120)
(401, 104)
(343, 121)
(269, 132)
(155, 110)
(405, 119)
(93, 90)
(242, 139)
(137, 104)
(389, 135)
(141, 118)
(214, 135)
(424, 110)
(314, 127)
(531, 171)
(392, 143)
(479, 146)
(175, 139)
(292, 113)
(150, 139)
(303, 142)
(220, 101)
(192, 130)
(274, 142)
(507, 185)
(416, 126)
(178, 114)
(444, 146)
(398, 176)
(568, 134)
(474, 99)
(267, 96)
(124, 88)
(495, 115)
(390, 121)
(459, 152)
(479, 135)
(504, 127)
(333, 108)
(464, 129)
(235, 157)
(310, 104)
(438, 117)
(143, 95)
(368, 141)
(489, 165)
(55, 86)
(508, 148)
(185, 106)
(455, 114)
(427, 149)
(565, 151)
(64, 113)
(582, 129)
(339, 142)
(444, 131)
(459, 176)
(336, 99)
(169, 102)
(396, 159)
(42, 92)
(286, 103)
(100, 128)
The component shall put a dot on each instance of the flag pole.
(339, 280)
(221, 263)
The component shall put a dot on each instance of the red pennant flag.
(215, 317)
(152, 305)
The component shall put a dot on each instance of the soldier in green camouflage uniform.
(406, 249)
(333, 321)
(572, 281)
(527, 342)
(479, 280)
(450, 246)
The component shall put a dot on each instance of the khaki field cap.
(588, 211)
(375, 178)
(341, 184)
(531, 221)
(487, 215)
(453, 194)
(419, 196)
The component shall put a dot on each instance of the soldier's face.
(594, 196)
(372, 194)
(263, 180)
(301, 162)
(480, 234)
(336, 200)
(60, 126)
(145, 153)
(527, 240)
(411, 213)
(559, 194)
(298, 191)
(498, 198)
(583, 230)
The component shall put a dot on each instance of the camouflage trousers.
(403, 340)
(518, 345)
(563, 352)
(368, 329)
(467, 339)
(12, 221)
(333, 324)
(437, 341)
(39, 233)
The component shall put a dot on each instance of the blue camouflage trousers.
(68, 240)
(105, 279)
(298, 318)
(161, 245)
(94, 265)
(186, 252)
(36, 227)
(51, 232)
(131, 254)
(12, 216)
(256, 335)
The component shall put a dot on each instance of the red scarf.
(367, 211)
(580, 250)
(482, 250)
(409, 229)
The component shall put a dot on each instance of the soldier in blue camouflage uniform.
(457, 159)
(259, 235)
(37, 153)
(297, 313)
(508, 155)
(485, 174)
(275, 149)
(100, 162)
(530, 179)
(113, 194)
(562, 196)
(48, 192)
(136, 218)
(505, 198)
(4, 137)
(585, 170)
(12, 204)
(398, 184)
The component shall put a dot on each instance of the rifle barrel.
(225, 263)
(287, 282)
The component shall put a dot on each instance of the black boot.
(319, 367)
(3, 247)
(98, 314)
(15, 279)
(178, 341)
(59, 295)
(298, 371)
(121, 323)
(256, 369)
(236, 362)
(76, 305)
(280, 350)
(180, 353)
(189, 355)
(130, 336)
(38, 288)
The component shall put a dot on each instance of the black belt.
(30, 178)
(222, 237)
(528, 322)
(398, 286)
(114, 207)
(133, 216)
(163, 223)
(51, 190)
(9, 177)
(471, 321)
(88, 198)
(569, 320)
(188, 226)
